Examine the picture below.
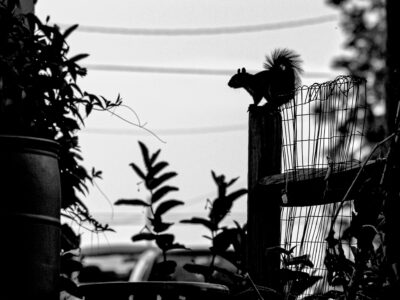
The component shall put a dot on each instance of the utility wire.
(206, 31)
(172, 131)
(182, 71)
(136, 218)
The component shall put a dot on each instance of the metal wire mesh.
(323, 129)
(324, 125)
(306, 229)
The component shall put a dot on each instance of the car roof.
(106, 249)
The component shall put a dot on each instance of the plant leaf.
(236, 194)
(134, 202)
(69, 30)
(223, 204)
(164, 268)
(299, 286)
(222, 241)
(145, 154)
(144, 236)
(288, 275)
(138, 171)
(300, 260)
(154, 156)
(154, 170)
(232, 181)
(161, 192)
(195, 220)
(214, 176)
(159, 226)
(165, 206)
(88, 108)
(165, 241)
(156, 182)
(277, 249)
(78, 57)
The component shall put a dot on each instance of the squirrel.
(276, 83)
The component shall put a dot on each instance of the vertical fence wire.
(322, 128)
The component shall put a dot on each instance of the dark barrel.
(30, 197)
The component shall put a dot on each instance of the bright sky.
(202, 122)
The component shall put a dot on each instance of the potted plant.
(41, 109)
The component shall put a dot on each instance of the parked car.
(114, 262)
(123, 271)
(145, 265)
(136, 262)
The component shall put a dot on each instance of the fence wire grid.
(323, 127)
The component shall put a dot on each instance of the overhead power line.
(206, 31)
(171, 131)
(137, 218)
(183, 71)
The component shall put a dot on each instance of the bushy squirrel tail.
(285, 61)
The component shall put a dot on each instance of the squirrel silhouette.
(276, 83)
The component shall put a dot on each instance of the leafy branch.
(295, 279)
(222, 238)
(367, 273)
(154, 178)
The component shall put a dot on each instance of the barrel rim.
(29, 142)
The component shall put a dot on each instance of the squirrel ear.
(243, 70)
(238, 71)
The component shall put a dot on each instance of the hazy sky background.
(201, 121)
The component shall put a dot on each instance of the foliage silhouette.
(40, 97)
(155, 180)
(224, 239)
(70, 263)
(367, 273)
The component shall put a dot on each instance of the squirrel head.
(236, 80)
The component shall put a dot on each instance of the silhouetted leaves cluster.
(154, 178)
(366, 273)
(69, 260)
(295, 274)
(223, 238)
(40, 96)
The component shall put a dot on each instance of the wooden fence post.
(263, 206)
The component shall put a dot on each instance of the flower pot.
(30, 194)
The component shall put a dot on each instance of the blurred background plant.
(231, 244)
(365, 57)
(222, 237)
(156, 228)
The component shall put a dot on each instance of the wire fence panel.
(323, 134)
(324, 127)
